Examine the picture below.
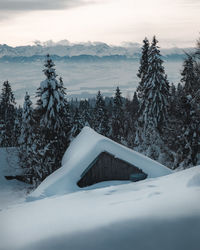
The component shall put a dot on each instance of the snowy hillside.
(11, 191)
(154, 214)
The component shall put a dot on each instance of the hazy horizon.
(82, 79)
(65, 42)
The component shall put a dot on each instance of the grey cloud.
(9, 8)
(30, 5)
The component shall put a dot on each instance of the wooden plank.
(107, 167)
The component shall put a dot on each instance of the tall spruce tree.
(65, 134)
(156, 93)
(135, 106)
(144, 64)
(17, 125)
(52, 127)
(118, 118)
(131, 115)
(101, 116)
(26, 139)
(85, 112)
(189, 77)
(198, 44)
(78, 123)
(189, 138)
(154, 106)
(7, 115)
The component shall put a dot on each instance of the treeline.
(161, 120)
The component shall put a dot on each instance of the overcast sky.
(174, 22)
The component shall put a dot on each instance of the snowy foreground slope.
(10, 191)
(155, 214)
(81, 153)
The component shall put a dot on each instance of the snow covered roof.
(81, 152)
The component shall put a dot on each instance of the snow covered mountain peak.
(65, 48)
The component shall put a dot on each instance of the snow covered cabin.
(93, 158)
(108, 167)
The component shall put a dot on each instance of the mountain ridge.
(98, 50)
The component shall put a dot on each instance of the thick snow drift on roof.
(156, 214)
(81, 152)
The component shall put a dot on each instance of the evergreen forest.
(161, 120)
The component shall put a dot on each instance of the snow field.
(157, 213)
(11, 191)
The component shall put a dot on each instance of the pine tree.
(101, 116)
(135, 106)
(154, 106)
(52, 127)
(173, 103)
(78, 123)
(189, 77)
(198, 48)
(51, 102)
(174, 126)
(144, 64)
(26, 139)
(155, 102)
(131, 115)
(7, 115)
(178, 101)
(118, 117)
(86, 113)
(64, 134)
(105, 124)
(189, 109)
(17, 126)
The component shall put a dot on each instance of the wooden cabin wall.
(107, 168)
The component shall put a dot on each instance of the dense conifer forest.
(160, 120)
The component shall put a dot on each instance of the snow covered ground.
(160, 213)
(154, 214)
(11, 191)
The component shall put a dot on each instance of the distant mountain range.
(81, 52)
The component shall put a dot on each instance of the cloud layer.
(175, 22)
(8, 8)
(23, 5)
